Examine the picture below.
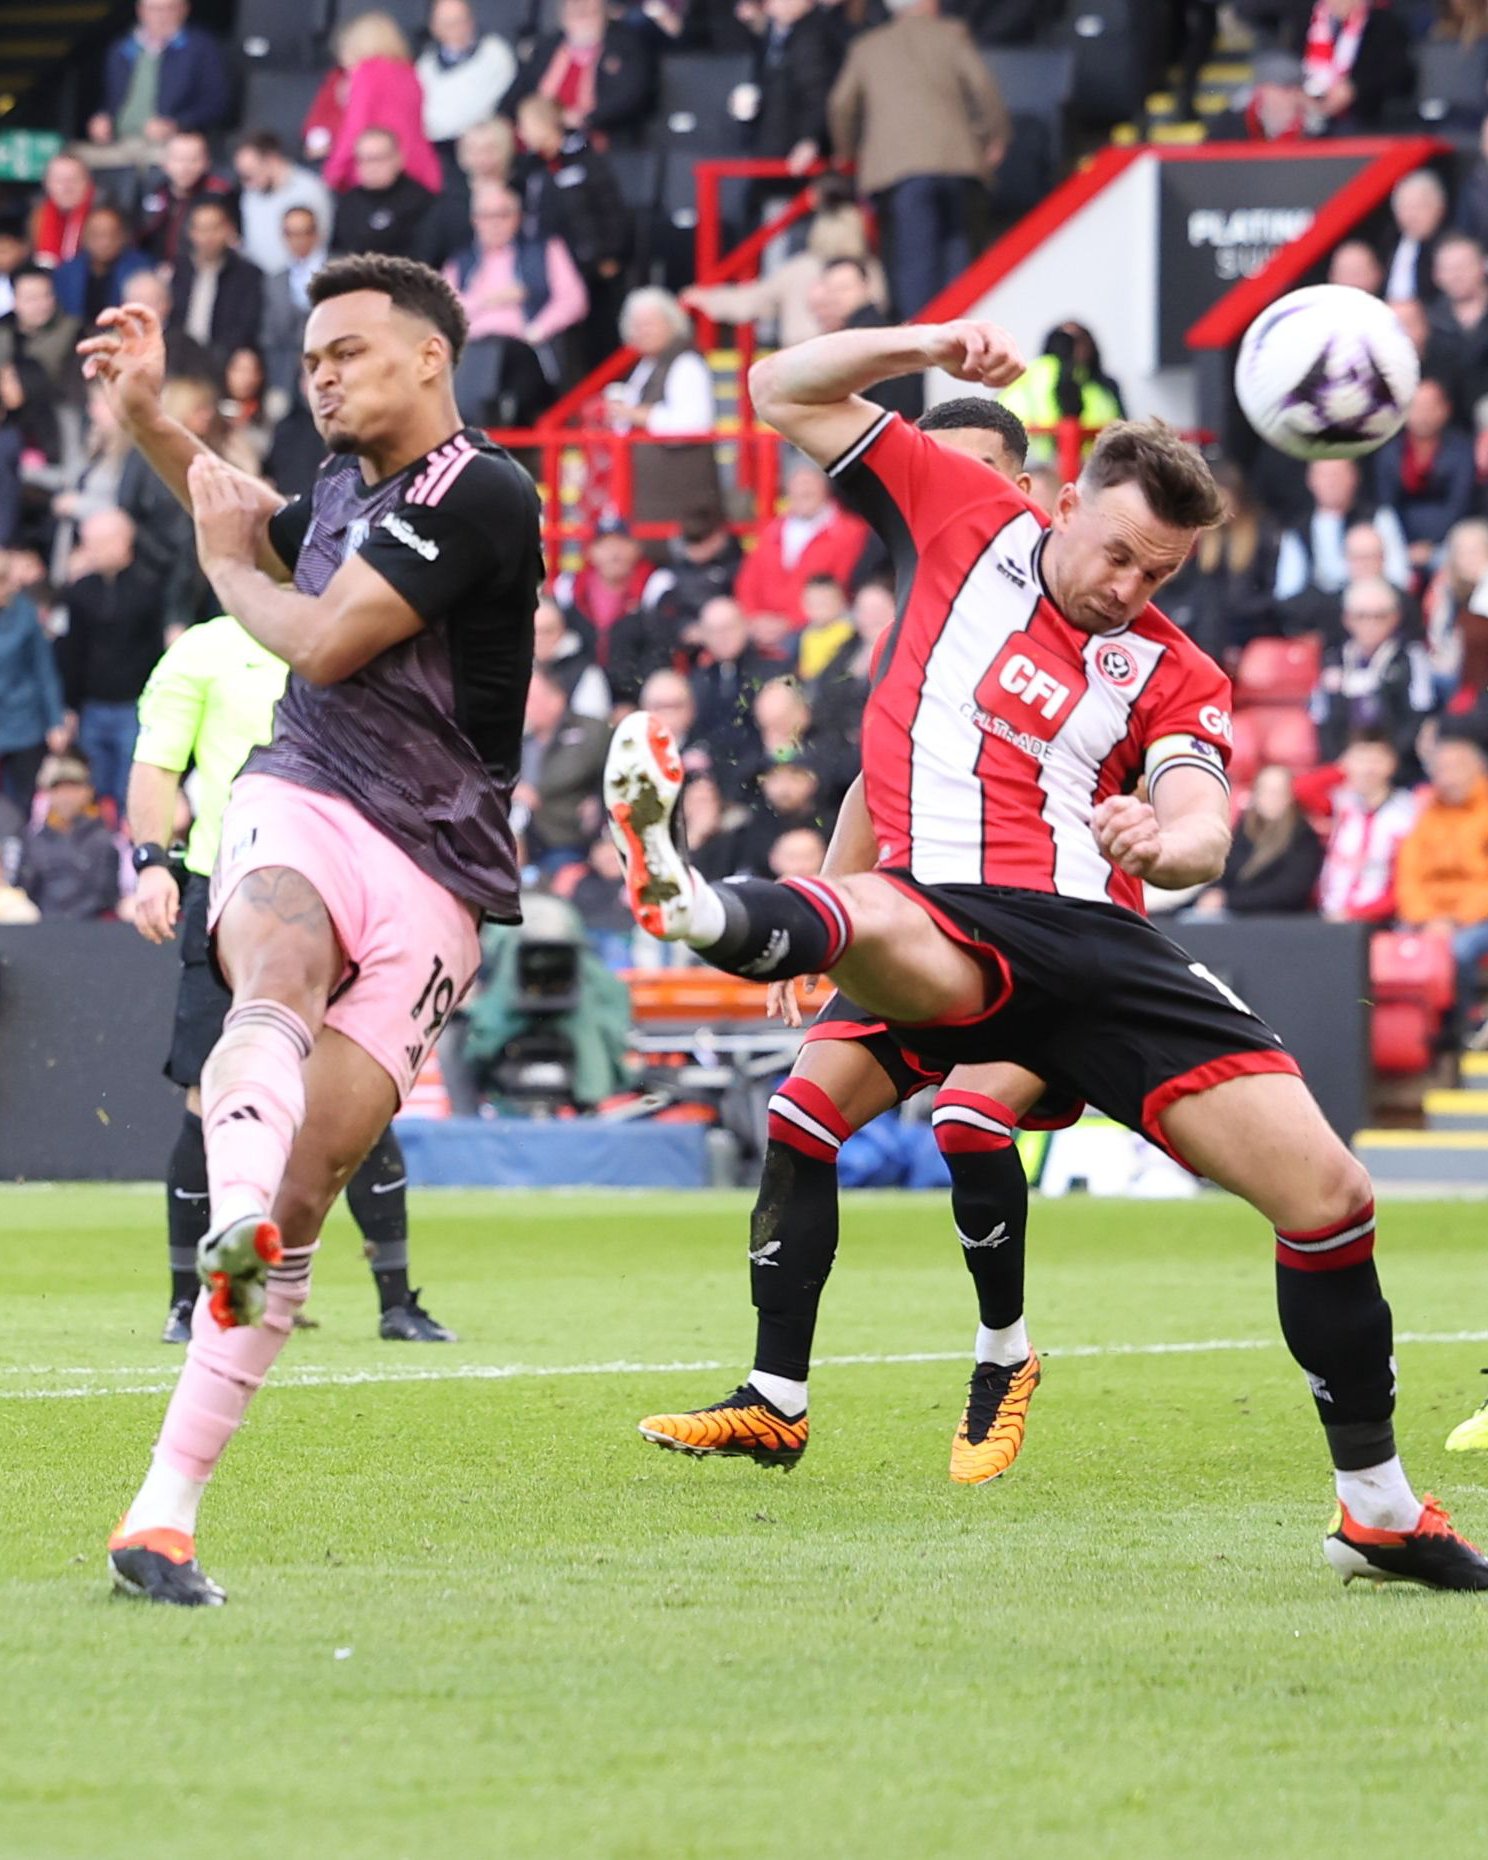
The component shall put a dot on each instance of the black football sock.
(989, 1200)
(793, 1230)
(1337, 1326)
(378, 1198)
(773, 931)
(188, 1208)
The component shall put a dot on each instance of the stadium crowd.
(1361, 794)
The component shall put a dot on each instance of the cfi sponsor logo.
(1115, 664)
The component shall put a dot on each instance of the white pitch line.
(310, 1377)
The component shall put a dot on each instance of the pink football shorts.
(411, 946)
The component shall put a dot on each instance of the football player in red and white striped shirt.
(1027, 682)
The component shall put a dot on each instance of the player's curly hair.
(1171, 474)
(413, 287)
(979, 410)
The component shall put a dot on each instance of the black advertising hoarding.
(1221, 218)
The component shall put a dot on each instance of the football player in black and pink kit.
(1028, 682)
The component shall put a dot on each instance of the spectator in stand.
(186, 178)
(799, 852)
(381, 91)
(387, 210)
(561, 651)
(1274, 860)
(43, 336)
(701, 562)
(1357, 265)
(164, 76)
(609, 585)
(90, 482)
(1223, 596)
(57, 218)
(216, 294)
(1276, 109)
(598, 72)
(1441, 875)
(164, 536)
(783, 717)
(32, 717)
(114, 636)
(273, 187)
(1356, 60)
(512, 284)
(786, 802)
(1436, 355)
(726, 681)
(669, 392)
(712, 845)
(1458, 325)
(286, 296)
(840, 690)
(486, 153)
(1376, 680)
(1067, 381)
(1426, 475)
(1311, 556)
(917, 110)
(249, 428)
(184, 355)
(1472, 192)
(570, 192)
(1419, 206)
(563, 757)
(669, 695)
(828, 626)
(464, 74)
(788, 300)
(595, 888)
(845, 297)
(1459, 585)
(795, 61)
(812, 536)
(1372, 814)
(98, 277)
(70, 863)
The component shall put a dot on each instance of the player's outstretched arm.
(812, 393)
(325, 637)
(127, 360)
(1182, 838)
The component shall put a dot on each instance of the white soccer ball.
(1326, 373)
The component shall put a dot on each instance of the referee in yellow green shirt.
(209, 701)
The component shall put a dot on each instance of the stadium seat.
(1291, 739)
(287, 34)
(692, 115)
(1107, 43)
(279, 100)
(1405, 965)
(1400, 1037)
(676, 218)
(1246, 758)
(1279, 671)
(1036, 82)
(1451, 83)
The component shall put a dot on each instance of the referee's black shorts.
(201, 1000)
(842, 1019)
(1093, 999)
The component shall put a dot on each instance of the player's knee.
(1338, 1187)
(970, 1121)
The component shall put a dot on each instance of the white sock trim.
(1380, 1496)
(789, 1397)
(1007, 1347)
(167, 1501)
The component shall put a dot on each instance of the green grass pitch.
(476, 1616)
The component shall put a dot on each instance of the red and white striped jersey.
(1358, 876)
(994, 727)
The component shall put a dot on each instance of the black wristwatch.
(150, 853)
